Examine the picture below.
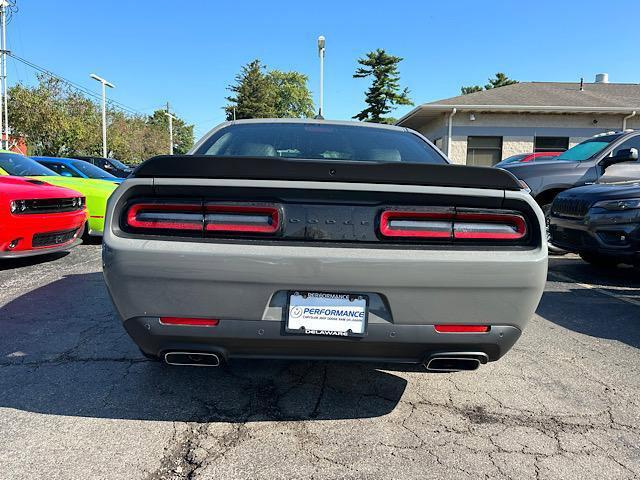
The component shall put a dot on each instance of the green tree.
(259, 93)
(291, 94)
(384, 93)
(471, 89)
(501, 80)
(53, 119)
(253, 94)
(56, 120)
(182, 133)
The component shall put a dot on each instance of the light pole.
(321, 43)
(171, 117)
(4, 117)
(105, 84)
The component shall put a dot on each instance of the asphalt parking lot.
(77, 400)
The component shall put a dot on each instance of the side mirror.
(624, 155)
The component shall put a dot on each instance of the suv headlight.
(618, 205)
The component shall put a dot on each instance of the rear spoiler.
(270, 168)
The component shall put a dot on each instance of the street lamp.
(321, 43)
(105, 84)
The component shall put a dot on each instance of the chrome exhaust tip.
(455, 362)
(192, 359)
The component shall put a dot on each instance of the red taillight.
(453, 224)
(462, 328)
(198, 322)
(416, 224)
(489, 226)
(241, 218)
(169, 216)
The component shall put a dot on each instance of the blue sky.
(188, 52)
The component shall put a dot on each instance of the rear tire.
(553, 250)
(600, 261)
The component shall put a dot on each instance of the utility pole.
(105, 84)
(171, 117)
(321, 42)
(4, 117)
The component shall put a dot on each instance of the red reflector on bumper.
(462, 328)
(200, 322)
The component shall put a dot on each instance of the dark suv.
(111, 165)
(601, 222)
(582, 164)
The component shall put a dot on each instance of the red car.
(528, 157)
(37, 218)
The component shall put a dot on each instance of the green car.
(95, 191)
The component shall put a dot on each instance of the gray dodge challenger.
(314, 239)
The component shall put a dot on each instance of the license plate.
(332, 314)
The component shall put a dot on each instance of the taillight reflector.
(165, 216)
(462, 328)
(199, 322)
(416, 224)
(456, 225)
(489, 226)
(241, 218)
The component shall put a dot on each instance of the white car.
(313, 239)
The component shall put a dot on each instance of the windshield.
(118, 164)
(318, 141)
(90, 170)
(22, 166)
(587, 149)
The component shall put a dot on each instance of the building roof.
(541, 97)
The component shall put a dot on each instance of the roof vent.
(602, 78)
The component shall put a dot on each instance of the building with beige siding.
(486, 127)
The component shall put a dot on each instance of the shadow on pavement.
(64, 352)
(592, 313)
(13, 263)
(581, 271)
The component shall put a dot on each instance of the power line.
(76, 86)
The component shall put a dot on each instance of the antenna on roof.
(581, 84)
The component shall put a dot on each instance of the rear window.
(319, 142)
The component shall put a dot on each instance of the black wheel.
(600, 261)
(553, 250)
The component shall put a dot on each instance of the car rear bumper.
(267, 339)
(245, 286)
(611, 234)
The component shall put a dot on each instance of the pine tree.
(253, 94)
(384, 93)
(501, 80)
(471, 89)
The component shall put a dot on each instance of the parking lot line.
(588, 286)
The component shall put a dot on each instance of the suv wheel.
(601, 261)
(553, 250)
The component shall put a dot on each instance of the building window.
(484, 151)
(550, 144)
